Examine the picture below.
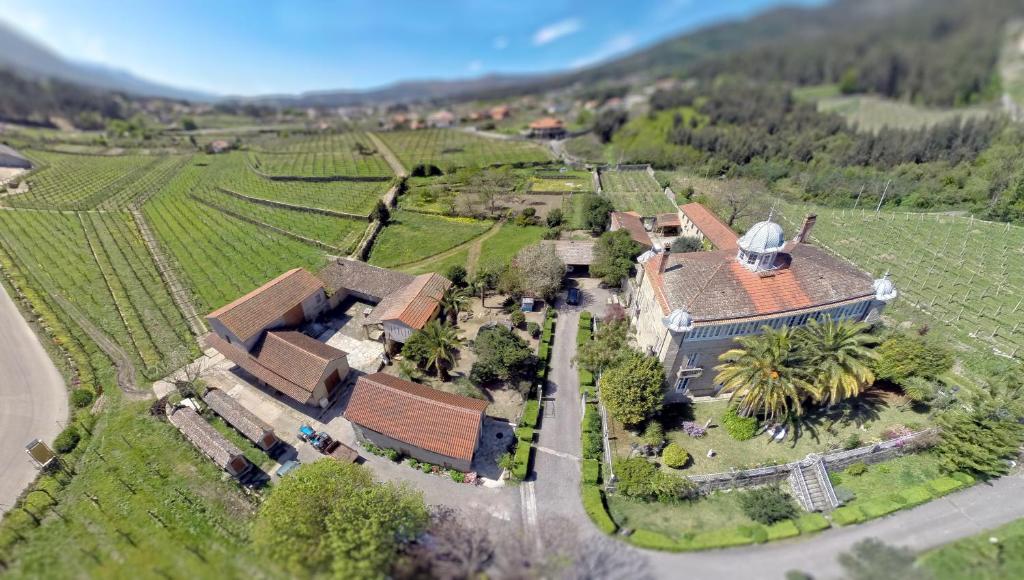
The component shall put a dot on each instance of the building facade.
(688, 308)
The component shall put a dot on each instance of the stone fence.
(833, 461)
(291, 206)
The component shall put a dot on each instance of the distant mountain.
(31, 59)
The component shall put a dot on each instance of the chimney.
(805, 229)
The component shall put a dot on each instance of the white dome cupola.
(885, 289)
(760, 245)
(678, 320)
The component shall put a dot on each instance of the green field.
(356, 197)
(145, 500)
(869, 113)
(502, 247)
(68, 181)
(325, 155)
(411, 237)
(958, 275)
(98, 263)
(567, 182)
(221, 257)
(447, 148)
(635, 191)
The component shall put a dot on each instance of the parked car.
(287, 467)
(573, 297)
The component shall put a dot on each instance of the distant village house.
(547, 128)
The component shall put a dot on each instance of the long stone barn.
(415, 420)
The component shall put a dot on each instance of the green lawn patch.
(499, 249)
(411, 237)
(944, 485)
(812, 522)
(531, 413)
(978, 558)
(782, 530)
(916, 495)
(848, 515)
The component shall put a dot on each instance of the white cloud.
(475, 65)
(500, 42)
(613, 46)
(553, 32)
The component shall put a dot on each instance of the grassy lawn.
(718, 510)
(569, 181)
(503, 246)
(822, 431)
(440, 266)
(573, 207)
(978, 558)
(882, 479)
(160, 507)
(411, 237)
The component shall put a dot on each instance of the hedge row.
(729, 537)
(593, 503)
(591, 437)
(521, 465)
(591, 471)
(907, 498)
(525, 434)
(531, 414)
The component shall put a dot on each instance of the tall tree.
(440, 342)
(613, 256)
(536, 270)
(762, 372)
(453, 301)
(983, 432)
(633, 388)
(838, 358)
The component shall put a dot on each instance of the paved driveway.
(33, 400)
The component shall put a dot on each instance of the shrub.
(916, 495)
(531, 412)
(895, 432)
(586, 378)
(593, 446)
(695, 430)
(964, 478)
(654, 433)
(457, 274)
(543, 353)
(392, 454)
(547, 336)
(67, 440)
(848, 515)
(591, 419)
(501, 355)
(655, 541)
(518, 318)
(521, 466)
(723, 538)
(525, 434)
(583, 337)
(739, 428)
(852, 442)
(640, 478)
(859, 468)
(767, 505)
(81, 398)
(810, 523)
(593, 503)
(457, 476)
(879, 507)
(591, 471)
(426, 467)
(675, 456)
(533, 329)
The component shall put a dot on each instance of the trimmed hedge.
(655, 541)
(531, 413)
(782, 530)
(848, 515)
(813, 522)
(881, 506)
(593, 503)
(547, 336)
(525, 434)
(945, 484)
(586, 378)
(544, 353)
(591, 471)
(521, 467)
(916, 495)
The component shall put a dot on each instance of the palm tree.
(441, 342)
(761, 372)
(837, 357)
(453, 301)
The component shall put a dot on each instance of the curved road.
(555, 491)
(33, 400)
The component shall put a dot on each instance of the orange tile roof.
(631, 222)
(415, 304)
(711, 226)
(775, 291)
(245, 317)
(666, 219)
(430, 419)
(547, 123)
(289, 361)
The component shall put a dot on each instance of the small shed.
(577, 255)
(205, 438)
(242, 419)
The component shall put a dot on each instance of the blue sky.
(276, 46)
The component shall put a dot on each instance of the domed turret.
(764, 237)
(885, 290)
(678, 321)
(759, 246)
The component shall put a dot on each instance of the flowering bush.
(895, 432)
(694, 430)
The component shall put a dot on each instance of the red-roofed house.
(416, 420)
(288, 300)
(689, 307)
(547, 128)
(696, 221)
(410, 309)
(631, 222)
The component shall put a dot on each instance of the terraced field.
(98, 263)
(448, 148)
(355, 197)
(960, 276)
(81, 182)
(324, 155)
(635, 191)
(413, 236)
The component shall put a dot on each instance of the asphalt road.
(33, 400)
